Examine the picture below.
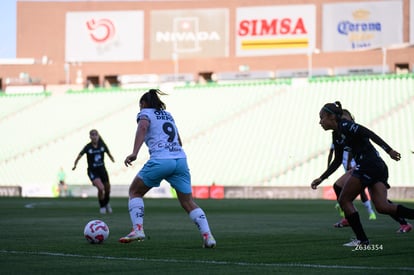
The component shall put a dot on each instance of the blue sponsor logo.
(347, 27)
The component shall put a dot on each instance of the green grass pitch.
(45, 236)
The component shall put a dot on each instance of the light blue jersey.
(168, 160)
(162, 134)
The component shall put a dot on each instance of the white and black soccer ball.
(96, 231)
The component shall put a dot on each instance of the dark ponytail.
(333, 108)
(101, 141)
(152, 99)
(347, 112)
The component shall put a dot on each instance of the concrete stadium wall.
(228, 192)
(41, 31)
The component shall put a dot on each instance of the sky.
(8, 28)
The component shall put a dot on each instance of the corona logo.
(101, 31)
(261, 27)
(361, 24)
(361, 15)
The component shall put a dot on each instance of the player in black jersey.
(97, 173)
(348, 163)
(339, 149)
(370, 171)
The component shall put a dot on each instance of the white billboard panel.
(361, 25)
(274, 30)
(102, 36)
(192, 33)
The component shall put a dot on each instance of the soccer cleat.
(108, 208)
(341, 212)
(372, 216)
(135, 235)
(405, 228)
(102, 210)
(208, 241)
(355, 242)
(342, 223)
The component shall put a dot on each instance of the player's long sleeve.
(363, 131)
(334, 164)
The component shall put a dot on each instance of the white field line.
(299, 265)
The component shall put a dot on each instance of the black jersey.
(355, 138)
(339, 147)
(95, 155)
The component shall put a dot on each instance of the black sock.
(396, 218)
(106, 199)
(102, 203)
(399, 220)
(337, 190)
(363, 196)
(405, 212)
(356, 226)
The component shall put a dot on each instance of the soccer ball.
(96, 231)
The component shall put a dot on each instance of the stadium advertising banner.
(103, 36)
(181, 34)
(361, 25)
(274, 30)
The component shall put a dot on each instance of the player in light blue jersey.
(168, 161)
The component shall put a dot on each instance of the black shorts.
(371, 172)
(98, 172)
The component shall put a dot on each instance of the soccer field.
(45, 236)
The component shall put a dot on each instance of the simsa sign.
(272, 30)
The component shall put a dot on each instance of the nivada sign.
(189, 33)
(271, 30)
